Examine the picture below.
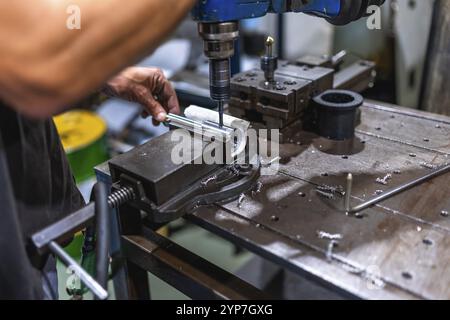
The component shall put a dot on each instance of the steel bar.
(388, 194)
(69, 262)
(77, 220)
(64, 227)
(348, 192)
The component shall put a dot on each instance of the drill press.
(219, 28)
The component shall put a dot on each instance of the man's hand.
(148, 87)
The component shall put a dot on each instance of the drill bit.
(220, 105)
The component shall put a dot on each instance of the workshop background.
(409, 57)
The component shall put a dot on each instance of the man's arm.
(45, 66)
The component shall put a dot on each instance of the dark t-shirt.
(41, 190)
(43, 184)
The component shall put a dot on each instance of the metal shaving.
(324, 194)
(329, 236)
(384, 180)
(257, 188)
(429, 165)
(269, 163)
(374, 280)
(207, 181)
(330, 248)
(339, 190)
(241, 200)
(234, 170)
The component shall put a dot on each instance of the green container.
(83, 135)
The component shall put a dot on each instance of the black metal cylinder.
(269, 64)
(336, 113)
(219, 79)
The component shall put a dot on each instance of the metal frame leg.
(138, 287)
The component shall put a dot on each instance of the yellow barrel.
(83, 135)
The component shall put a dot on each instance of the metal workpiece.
(237, 127)
(206, 129)
(336, 113)
(396, 249)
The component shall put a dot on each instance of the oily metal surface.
(398, 249)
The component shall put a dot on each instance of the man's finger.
(162, 87)
(170, 97)
(145, 97)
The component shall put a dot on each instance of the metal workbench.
(398, 249)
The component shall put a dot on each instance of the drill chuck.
(219, 38)
(219, 41)
(219, 79)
